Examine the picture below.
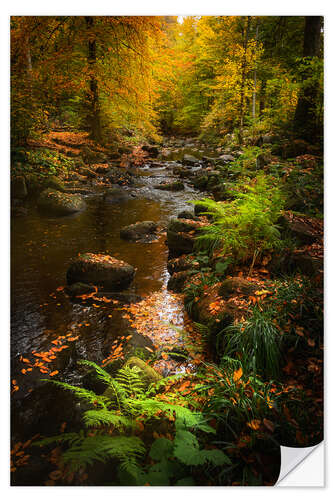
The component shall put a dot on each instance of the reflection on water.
(42, 248)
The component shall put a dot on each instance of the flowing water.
(41, 250)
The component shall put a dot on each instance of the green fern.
(130, 380)
(97, 418)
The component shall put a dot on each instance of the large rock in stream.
(181, 235)
(140, 231)
(103, 270)
(57, 203)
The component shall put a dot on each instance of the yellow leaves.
(237, 374)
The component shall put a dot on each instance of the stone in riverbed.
(181, 235)
(100, 269)
(172, 186)
(57, 203)
(177, 281)
(140, 231)
(190, 160)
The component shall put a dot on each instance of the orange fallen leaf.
(238, 374)
(54, 373)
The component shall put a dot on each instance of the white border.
(142, 7)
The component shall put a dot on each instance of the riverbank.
(148, 319)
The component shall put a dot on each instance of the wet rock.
(237, 286)
(186, 214)
(99, 269)
(140, 231)
(156, 164)
(172, 186)
(177, 281)
(152, 150)
(189, 160)
(182, 263)
(200, 182)
(77, 289)
(181, 236)
(118, 175)
(57, 203)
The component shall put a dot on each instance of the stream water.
(41, 250)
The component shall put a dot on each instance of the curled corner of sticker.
(302, 466)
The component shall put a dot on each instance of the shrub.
(246, 226)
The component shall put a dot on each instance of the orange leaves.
(215, 307)
(54, 373)
(254, 424)
(238, 374)
(164, 355)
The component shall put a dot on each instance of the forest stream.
(42, 249)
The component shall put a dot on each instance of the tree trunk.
(243, 77)
(94, 119)
(262, 97)
(305, 115)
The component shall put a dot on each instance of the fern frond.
(82, 393)
(96, 418)
(102, 448)
(66, 437)
(130, 380)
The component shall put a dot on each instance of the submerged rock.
(144, 231)
(99, 269)
(57, 203)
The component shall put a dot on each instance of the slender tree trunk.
(262, 97)
(243, 76)
(305, 115)
(94, 118)
(255, 77)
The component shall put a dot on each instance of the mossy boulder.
(149, 375)
(140, 231)
(55, 183)
(57, 203)
(102, 270)
(237, 286)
